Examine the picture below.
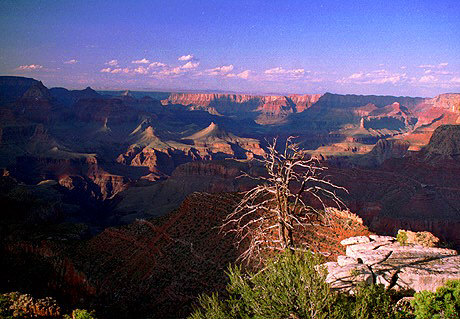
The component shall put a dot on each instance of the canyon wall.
(271, 109)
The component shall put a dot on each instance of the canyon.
(118, 194)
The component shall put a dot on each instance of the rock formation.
(14, 87)
(268, 109)
(383, 260)
(161, 157)
(447, 101)
(445, 142)
(384, 149)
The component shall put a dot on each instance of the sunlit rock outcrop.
(383, 260)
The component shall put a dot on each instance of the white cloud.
(141, 61)
(141, 70)
(112, 63)
(222, 70)
(186, 57)
(72, 61)
(190, 65)
(455, 80)
(281, 71)
(387, 79)
(426, 66)
(120, 70)
(244, 75)
(432, 66)
(356, 75)
(30, 67)
(280, 74)
(375, 77)
(168, 72)
(443, 72)
(106, 70)
(428, 79)
(403, 67)
(156, 65)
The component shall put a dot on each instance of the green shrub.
(401, 237)
(5, 307)
(442, 304)
(81, 314)
(293, 286)
(288, 287)
(373, 302)
(424, 238)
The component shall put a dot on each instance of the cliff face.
(269, 109)
(391, 117)
(445, 141)
(303, 102)
(13, 87)
(69, 97)
(418, 190)
(351, 100)
(449, 101)
(101, 110)
(384, 149)
(432, 113)
(35, 104)
(83, 174)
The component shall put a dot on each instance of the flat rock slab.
(430, 274)
(381, 259)
(357, 250)
(381, 238)
(406, 255)
(355, 240)
(345, 277)
(345, 260)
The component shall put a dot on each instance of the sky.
(391, 47)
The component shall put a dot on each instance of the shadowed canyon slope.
(158, 266)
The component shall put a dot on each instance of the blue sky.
(363, 47)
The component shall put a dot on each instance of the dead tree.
(291, 196)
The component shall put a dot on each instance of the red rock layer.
(273, 108)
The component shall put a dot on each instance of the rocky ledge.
(383, 260)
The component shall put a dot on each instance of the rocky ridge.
(269, 109)
(383, 260)
(161, 157)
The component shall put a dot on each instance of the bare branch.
(292, 193)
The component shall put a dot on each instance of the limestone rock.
(383, 260)
(381, 238)
(345, 277)
(431, 274)
(345, 260)
(355, 240)
(357, 249)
